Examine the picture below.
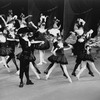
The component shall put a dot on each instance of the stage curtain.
(86, 9)
(50, 8)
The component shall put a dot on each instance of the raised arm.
(33, 24)
(27, 17)
(70, 47)
(34, 42)
(3, 20)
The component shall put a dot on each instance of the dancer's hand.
(42, 42)
(54, 53)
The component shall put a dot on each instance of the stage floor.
(57, 87)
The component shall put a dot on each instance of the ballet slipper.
(40, 63)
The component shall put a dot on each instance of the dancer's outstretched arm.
(33, 24)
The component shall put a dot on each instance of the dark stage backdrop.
(89, 10)
(67, 11)
(50, 8)
(17, 6)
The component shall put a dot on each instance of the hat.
(81, 21)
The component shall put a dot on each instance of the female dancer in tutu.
(78, 47)
(11, 39)
(40, 36)
(4, 50)
(55, 30)
(11, 42)
(8, 48)
(58, 57)
(10, 15)
(86, 58)
(23, 22)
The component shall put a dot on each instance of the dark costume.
(81, 55)
(41, 37)
(24, 61)
(25, 57)
(12, 44)
(58, 58)
(5, 47)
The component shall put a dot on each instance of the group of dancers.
(82, 48)
(15, 30)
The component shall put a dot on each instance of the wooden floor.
(57, 87)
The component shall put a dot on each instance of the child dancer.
(26, 57)
(58, 57)
(24, 61)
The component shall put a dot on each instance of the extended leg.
(51, 69)
(21, 74)
(5, 64)
(66, 72)
(74, 70)
(93, 66)
(34, 70)
(63, 71)
(46, 71)
(29, 82)
(41, 57)
(83, 64)
(90, 72)
(12, 56)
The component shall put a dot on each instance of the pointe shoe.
(39, 63)
(44, 62)
(21, 84)
(38, 77)
(18, 72)
(47, 77)
(77, 77)
(70, 80)
(8, 69)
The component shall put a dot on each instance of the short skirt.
(58, 59)
(26, 56)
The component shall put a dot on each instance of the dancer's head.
(22, 15)
(81, 21)
(10, 12)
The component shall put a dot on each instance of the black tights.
(12, 56)
(77, 64)
(34, 64)
(48, 68)
(24, 68)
